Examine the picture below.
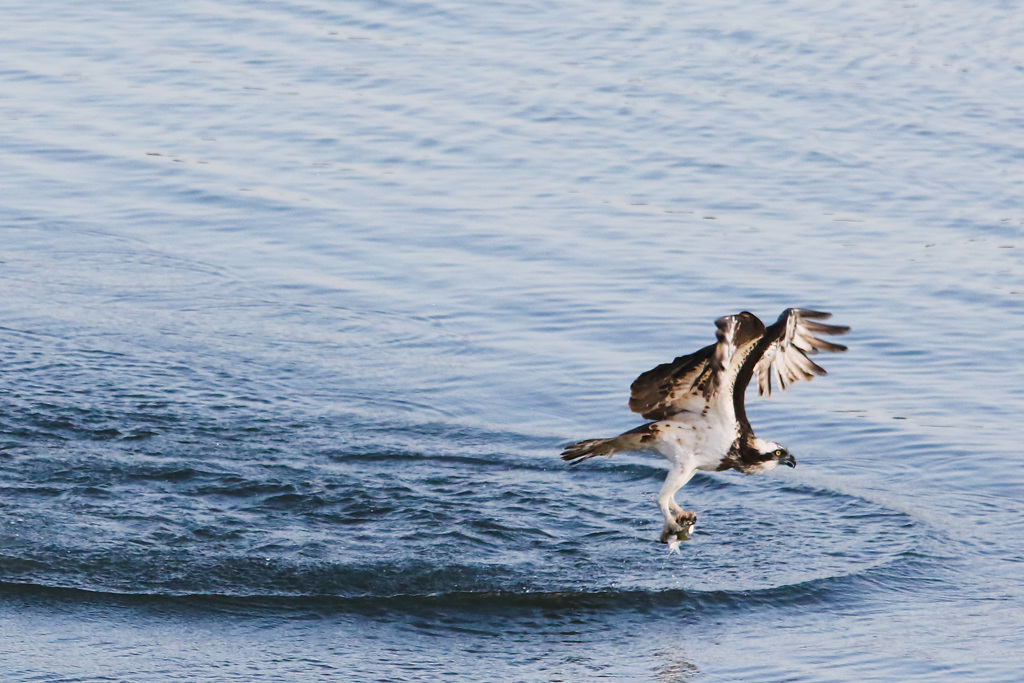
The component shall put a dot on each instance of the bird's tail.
(579, 451)
(636, 439)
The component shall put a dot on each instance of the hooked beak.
(788, 460)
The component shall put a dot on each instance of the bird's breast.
(692, 441)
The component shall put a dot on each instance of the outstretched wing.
(790, 339)
(691, 383)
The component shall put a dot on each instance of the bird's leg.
(677, 520)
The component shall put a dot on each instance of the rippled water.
(298, 303)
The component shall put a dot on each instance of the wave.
(720, 574)
(141, 488)
(364, 526)
(840, 589)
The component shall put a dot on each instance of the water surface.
(300, 301)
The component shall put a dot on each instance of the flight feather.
(790, 340)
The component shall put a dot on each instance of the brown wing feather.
(673, 387)
(690, 382)
(790, 340)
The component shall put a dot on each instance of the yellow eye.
(778, 452)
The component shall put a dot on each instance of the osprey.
(695, 404)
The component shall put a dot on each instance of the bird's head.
(769, 455)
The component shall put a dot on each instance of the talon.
(679, 529)
(687, 519)
(671, 531)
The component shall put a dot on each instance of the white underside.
(692, 442)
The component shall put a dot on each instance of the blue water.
(300, 300)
